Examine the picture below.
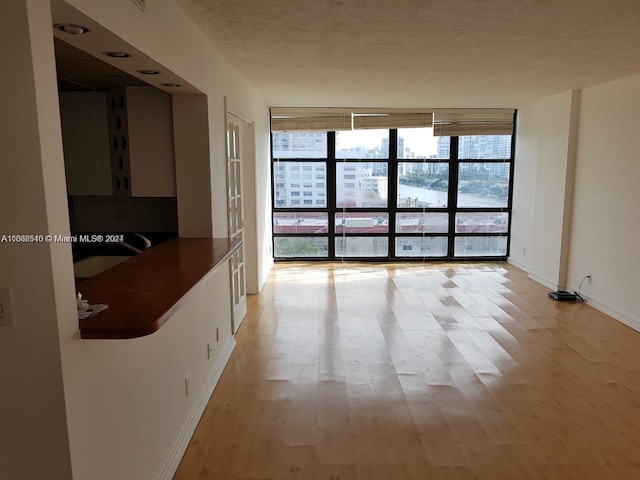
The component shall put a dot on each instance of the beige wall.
(106, 409)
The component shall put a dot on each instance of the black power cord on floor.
(578, 293)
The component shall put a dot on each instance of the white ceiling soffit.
(406, 53)
(101, 40)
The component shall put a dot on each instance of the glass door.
(235, 216)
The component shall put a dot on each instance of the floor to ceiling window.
(436, 188)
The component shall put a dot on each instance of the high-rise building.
(444, 147)
(299, 144)
(360, 184)
(299, 184)
(484, 147)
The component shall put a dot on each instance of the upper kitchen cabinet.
(141, 142)
(86, 144)
(118, 142)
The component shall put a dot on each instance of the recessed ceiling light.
(71, 28)
(171, 85)
(116, 54)
(149, 72)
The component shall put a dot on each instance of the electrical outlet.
(187, 385)
(7, 318)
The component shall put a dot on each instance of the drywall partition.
(524, 187)
(553, 122)
(572, 148)
(193, 169)
(258, 180)
(166, 34)
(250, 213)
(131, 412)
(264, 222)
(128, 412)
(606, 223)
(33, 431)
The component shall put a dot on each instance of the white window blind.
(469, 121)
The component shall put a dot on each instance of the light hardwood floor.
(421, 371)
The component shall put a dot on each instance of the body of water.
(435, 198)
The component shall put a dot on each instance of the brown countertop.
(144, 291)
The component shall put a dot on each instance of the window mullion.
(331, 192)
(392, 190)
(453, 193)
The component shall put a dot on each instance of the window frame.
(392, 209)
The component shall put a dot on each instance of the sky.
(420, 140)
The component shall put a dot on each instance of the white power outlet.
(7, 318)
(187, 385)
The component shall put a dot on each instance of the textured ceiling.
(422, 53)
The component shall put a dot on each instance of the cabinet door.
(235, 216)
(85, 139)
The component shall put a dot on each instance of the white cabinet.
(119, 142)
(141, 142)
(83, 116)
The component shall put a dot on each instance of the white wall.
(262, 182)
(544, 146)
(524, 187)
(579, 216)
(193, 168)
(606, 222)
(126, 399)
(124, 412)
(166, 34)
(140, 383)
(33, 431)
(247, 150)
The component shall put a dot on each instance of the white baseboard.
(613, 312)
(518, 264)
(173, 461)
(547, 282)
